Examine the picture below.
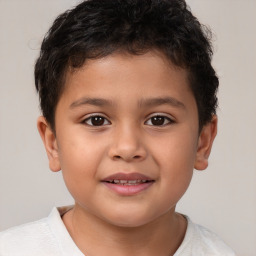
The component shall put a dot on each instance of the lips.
(128, 183)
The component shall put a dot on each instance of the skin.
(102, 221)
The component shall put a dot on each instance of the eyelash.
(167, 120)
(95, 116)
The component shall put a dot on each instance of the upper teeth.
(127, 181)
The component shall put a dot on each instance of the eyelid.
(166, 116)
(87, 117)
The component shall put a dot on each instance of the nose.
(127, 145)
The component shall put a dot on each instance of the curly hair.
(97, 28)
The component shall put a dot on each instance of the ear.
(205, 142)
(50, 143)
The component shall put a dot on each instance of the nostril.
(120, 157)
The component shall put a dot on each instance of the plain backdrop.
(222, 198)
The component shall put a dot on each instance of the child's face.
(131, 115)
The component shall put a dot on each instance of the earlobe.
(205, 142)
(50, 143)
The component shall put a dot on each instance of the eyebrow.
(161, 101)
(91, 101)
(151, 102)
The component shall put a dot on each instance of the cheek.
(177, 152)
(79, 152)
(176, 160)
(79, 160)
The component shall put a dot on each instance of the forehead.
(151, 70)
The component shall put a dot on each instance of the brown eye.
(96, 121)
(158, 120)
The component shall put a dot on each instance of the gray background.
(222, 198)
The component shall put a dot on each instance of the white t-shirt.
(49, 237)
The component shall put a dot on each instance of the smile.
(128, 184)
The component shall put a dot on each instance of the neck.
(94, 236)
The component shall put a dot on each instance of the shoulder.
(211, 242)
(34, 238)
(201, 241)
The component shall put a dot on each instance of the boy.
(128, 96)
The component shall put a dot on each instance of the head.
(95, 29)
(128, 94)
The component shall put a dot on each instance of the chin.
(129, 219)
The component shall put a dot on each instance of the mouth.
(128, 184)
